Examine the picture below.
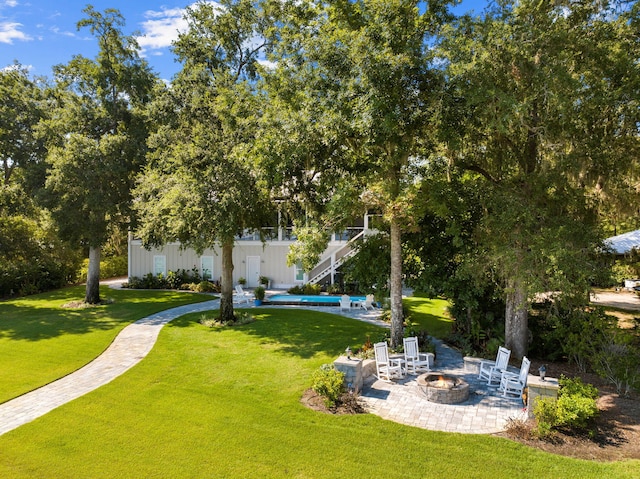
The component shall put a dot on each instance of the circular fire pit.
(443, 389)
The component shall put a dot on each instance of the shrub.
(546, 414)
(180, 279)
(32, 258)
(574, 409)
(110, 267)
(328, 382)
(240, 318)
(618, 361)
(309, 289)
(175, 279)
(134, 283)
(298, 289)
(205, 287)
(312, 289)
(575, 386)
(584, 334)
(366, 351)
(243, 317)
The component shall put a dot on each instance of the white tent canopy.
(624, 243)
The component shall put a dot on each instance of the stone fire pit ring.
(443, 388)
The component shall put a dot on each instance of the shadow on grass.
(300, 332)
(42, 316)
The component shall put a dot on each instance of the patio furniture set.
(496, 373)
(413, 362)
(346, 303)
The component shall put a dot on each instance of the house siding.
(272, 254)
(273, 260)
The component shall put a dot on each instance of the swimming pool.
(308, 300)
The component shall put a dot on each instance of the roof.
(624, 243)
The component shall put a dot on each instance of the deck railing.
(330, 264)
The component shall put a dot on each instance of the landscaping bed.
(617, 428)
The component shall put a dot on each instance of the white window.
(160, 265)
(206, 267)
(299, 272)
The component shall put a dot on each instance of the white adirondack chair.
(367, 303)
(511, 383)
(492, 370)
(345, 302)
(415, 360)
(241, 296)
(386, 368)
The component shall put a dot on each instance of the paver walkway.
(128, 348)
(484, 412)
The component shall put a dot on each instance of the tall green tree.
(369, 70)
(539, 118)
(21, 109)
(200, 186)
(99, 133)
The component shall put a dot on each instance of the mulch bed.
(617, 427)
(346, 404)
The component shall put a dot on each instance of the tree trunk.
(92, 293)
(226, 288)
(517, 319)
(396, 284)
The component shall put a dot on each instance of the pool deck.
(400, 401)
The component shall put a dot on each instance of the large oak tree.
(543, 120)
(366, 72)
(200, 186)
(98, 131)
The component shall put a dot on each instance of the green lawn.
(226, 403)
(40, 341)
(429, 314)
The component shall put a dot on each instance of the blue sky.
(42, 33)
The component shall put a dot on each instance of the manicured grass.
(226, 403)
(40, 341)
(429, 314)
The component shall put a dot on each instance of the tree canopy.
(497, 150)
(368, 69)
(200, 186)
(98, 135)
(537, 117)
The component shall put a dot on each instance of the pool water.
(314, 300)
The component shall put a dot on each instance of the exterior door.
(253, 271)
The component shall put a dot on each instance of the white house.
(251, 259)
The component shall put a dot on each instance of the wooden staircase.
(328, 266)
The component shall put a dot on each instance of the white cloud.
(64, 33)
(10, 31)
(14, 67)
(11, 3)
(268, 64)
(161, 28)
